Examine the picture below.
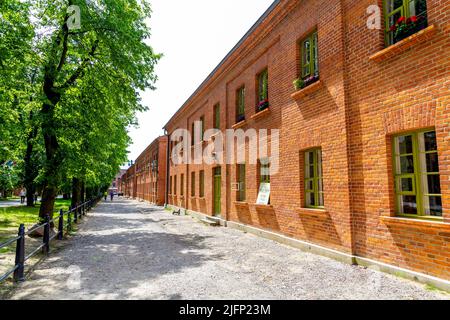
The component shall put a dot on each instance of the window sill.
(261, 114)
(239, 124)
(405, 44)
(307, 90)
(201, 198)
(263, 206)
(240, 204)
(313, 211)
(414, 221)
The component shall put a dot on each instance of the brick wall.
(352, 114)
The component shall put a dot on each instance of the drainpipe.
(166, 192)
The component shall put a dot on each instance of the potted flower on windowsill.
(240, 118)
(263, 105)
(405, 27)
(303, 83)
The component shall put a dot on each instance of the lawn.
(12, 217)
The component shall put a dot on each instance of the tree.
(110, 51)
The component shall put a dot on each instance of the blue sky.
(194, 37)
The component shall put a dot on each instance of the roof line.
(247, 34)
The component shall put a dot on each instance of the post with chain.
(61, 225)
(20, 255)
(46, 240)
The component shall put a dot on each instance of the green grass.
(12, 217)
(9, 198)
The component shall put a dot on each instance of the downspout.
(166, 191)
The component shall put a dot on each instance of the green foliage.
(72, 94)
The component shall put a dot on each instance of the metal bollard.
(61, 225)
(46, 240)
(20, 255)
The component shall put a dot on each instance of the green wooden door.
(217, 190)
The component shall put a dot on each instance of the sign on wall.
(263, 194)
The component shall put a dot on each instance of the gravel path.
(131, 250)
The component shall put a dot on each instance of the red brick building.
(364, 140)
(146, 178)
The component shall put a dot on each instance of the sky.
(194, 37)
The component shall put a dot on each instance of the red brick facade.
(366, 95)
(146, 178)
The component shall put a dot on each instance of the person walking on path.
(105, 195)
(22, 196)
(111, 194)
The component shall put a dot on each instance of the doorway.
(217, 186)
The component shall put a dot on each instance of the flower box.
(263, 105)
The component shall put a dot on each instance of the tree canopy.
(68, 92)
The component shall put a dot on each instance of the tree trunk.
(83, 192)
(76, 192)
(48, 201)
(53, 162)
(30, 168)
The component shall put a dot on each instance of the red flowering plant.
(263, 105)
(404, 27)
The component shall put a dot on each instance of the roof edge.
(233, 50)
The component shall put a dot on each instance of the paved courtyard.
(131, 250)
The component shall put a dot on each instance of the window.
(192, 133)
(170, 185)
(182, 185)
(313, 179)
(202, 128)
(240, 104)
(264, 170)
(202, 184)
(417, 179)
(263, 90)
(175, 185)
(404, 18)
(241, 194)
(309, 58)
(192, 184)
(217, 116)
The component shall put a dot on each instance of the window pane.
(430, 141)
(408, 204)
(432, 162)
(391, 5)
(316, 54)
(432, 184)
(310, 200)
(321, 202)
(433, 206)
(405, 145)
(310, 185)
(406, 164)
(406, 185)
